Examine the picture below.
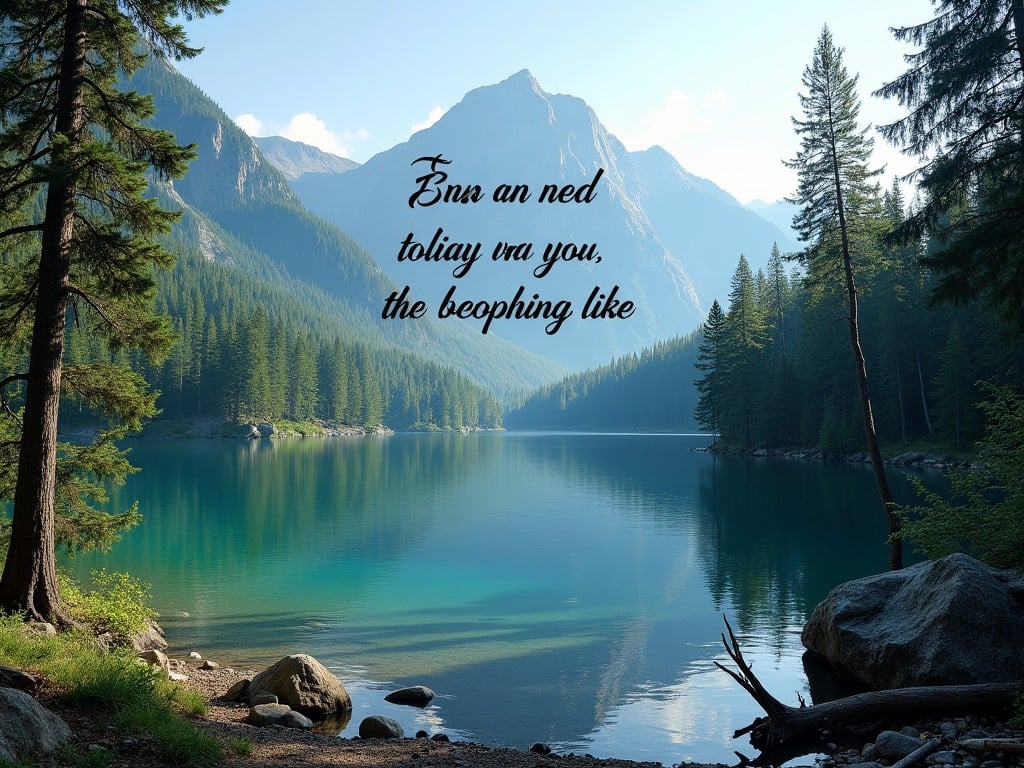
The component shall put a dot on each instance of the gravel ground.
(288, 747)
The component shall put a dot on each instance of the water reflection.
(559, 588)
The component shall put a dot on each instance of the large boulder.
(943, 622)
(305, 685)
(27, 728)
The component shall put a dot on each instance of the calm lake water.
(561, 588)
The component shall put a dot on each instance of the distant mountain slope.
(780, 213)
(647, 392)
(241, 210)
(295, 159)
(703, 225)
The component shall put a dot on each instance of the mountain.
(295, 159)
(780, 213)
(666, 238)
(704, 226)
(240, 212)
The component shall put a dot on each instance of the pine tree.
(710, 361)
(835, 188)
(73, 141)
(744, 337)
(964, 90)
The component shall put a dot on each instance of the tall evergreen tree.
(744, 337)
(710, 361)
(71, 140)
(835, 187)
(964, 90)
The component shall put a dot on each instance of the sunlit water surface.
(561, 588)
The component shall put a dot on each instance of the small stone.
(194, 655)
(541, 749)
(943, 757)
(870, 764)
(177, 677)
(262, 697)
(209, 665)
(416, 696)
(909, 730)
(380, 727)
(993, 764)
(421, 734)
(870, 753)
(948, 729)
(440, 737)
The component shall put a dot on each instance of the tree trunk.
(786, 726)
(29, 581)
(871, 437)
(924, 397)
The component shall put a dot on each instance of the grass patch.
(136, 698)
(240, 746)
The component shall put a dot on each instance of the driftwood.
(918, 754)
(992, 745)
(784, 726)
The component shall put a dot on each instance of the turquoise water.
(550, 587)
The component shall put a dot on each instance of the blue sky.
(714, 83)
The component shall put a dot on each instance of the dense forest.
(650, 391)
(775, 368)
(247, 350)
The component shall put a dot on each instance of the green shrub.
(116, 603)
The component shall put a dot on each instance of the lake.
(564, 588)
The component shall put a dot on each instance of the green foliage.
(634, 392)
(240, 746)
(136, 697)
(99, 757)
(984, 513)
(962, 91)
(116, 603)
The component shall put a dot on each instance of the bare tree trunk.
(29, 581)
(899, 398)
(871, 437)
(785, 726)
(924, 398)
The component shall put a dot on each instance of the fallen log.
(784, 725)
(992, 745)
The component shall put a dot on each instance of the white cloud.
(251, 124)
(307, 128)
(676, 119)
(435, 115)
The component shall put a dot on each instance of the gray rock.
(540, 748)
(870, 753)
(277, 714)
(947, 621)
(26, 727)
(870, 764)
(262, 697)
(236, 692)
(305, 685)
(11, 677)
(944, 757)
(150, 638)
(909, 730)
(893, 746)
(440, 737)
(380, 727)
(44, 628)
(948, 730)
(209, 665)
(415, 696)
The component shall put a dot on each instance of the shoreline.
(292, 747)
